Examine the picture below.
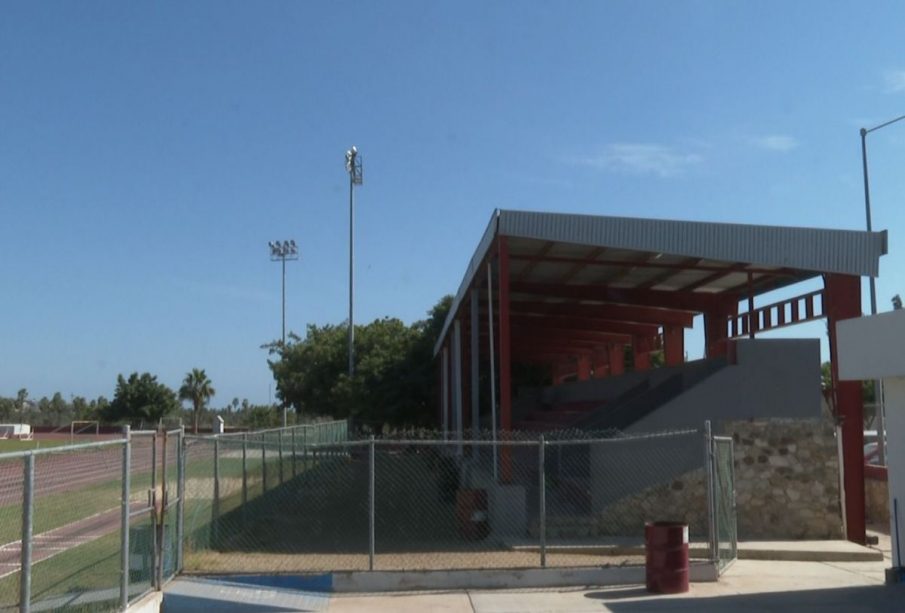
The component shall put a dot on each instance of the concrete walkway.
(748, 585)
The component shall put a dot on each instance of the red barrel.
(471, 514)
(666, 548)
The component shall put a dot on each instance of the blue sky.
(148, 153)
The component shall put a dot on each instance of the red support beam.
(585, 324)
(674, 345)
(684, 301)
(842, 300)
(505, 357)
(646, 260)
(607, 312)
(565, 335)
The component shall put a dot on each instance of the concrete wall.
(772, 378)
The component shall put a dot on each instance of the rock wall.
(683, 499)
(876, 495)
(787, 479)
(787, 486)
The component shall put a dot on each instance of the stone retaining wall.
(787, 486)
(787, 479)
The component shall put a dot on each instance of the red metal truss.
(780, 314)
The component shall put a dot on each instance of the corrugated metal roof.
(849, 252)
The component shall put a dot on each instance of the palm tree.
(197, 388)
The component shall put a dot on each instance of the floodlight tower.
(353, 167)
(280, 251)
(878, 384)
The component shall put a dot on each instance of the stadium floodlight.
(353, 167)
(878, 384)
(280, 252)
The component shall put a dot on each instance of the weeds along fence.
(89, 527)
(283, 502)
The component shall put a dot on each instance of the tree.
(197, 389)
(140, 399)
(394, 381)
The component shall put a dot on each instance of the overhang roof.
(611, 259)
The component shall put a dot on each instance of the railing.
(259, 506)
(79, 527)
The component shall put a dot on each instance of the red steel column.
(584, 367)
(716, 329)
(601, 364)
(674, 345)
(641, 353)
(617, 359)
(505, 359)
(842, 300)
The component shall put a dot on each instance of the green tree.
(197, 389)
(140, 399)
(394, 380)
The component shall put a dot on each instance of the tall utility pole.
(280, 251)
(353, 167)
(878, 385)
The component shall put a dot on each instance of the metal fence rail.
(266, 503)
(78, 525)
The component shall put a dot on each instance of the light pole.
(280, 251)
(878, 386)
(353, 167)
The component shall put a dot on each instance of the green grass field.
(9, 445)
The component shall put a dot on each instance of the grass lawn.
(92, 566)
(10, 445)
(62, 508)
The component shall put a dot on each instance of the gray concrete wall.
(771, 378)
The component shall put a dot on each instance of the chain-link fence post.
(155, 519)
(292, 434)
(305, 448)
(28, 512)
(160, 528)
(215, 506)
(280, 450)
(180, 505)
(371, 503)
(263, 466)
(542, 503)
(711, 494)
(124, 518)
(244, 476)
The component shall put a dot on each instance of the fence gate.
(723, 511)
(155, 484)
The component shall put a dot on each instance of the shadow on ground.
(868, 598)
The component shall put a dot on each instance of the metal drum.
(666, 548)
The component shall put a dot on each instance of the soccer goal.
(82, 427)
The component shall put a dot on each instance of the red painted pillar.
(842, 300)
(584, 367)
(466, 376)
(505, 359)
(601, 364)
(641, 353)
(617, 359)
(716, 329)
(674, 345)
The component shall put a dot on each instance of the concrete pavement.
(748, 585)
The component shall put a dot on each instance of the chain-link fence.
(275, 503)
(79, 526)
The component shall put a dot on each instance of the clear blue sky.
(148, 153)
